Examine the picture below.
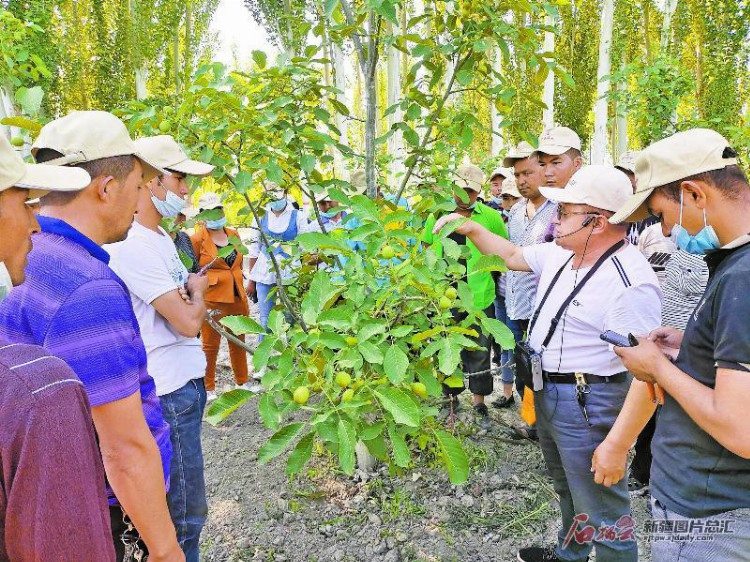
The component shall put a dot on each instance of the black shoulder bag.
(528, 361)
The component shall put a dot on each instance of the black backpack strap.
(556, 319)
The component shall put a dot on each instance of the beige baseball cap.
(469, 176)
(671, 159)
(558, 140)
(599, 186)
(519, 152)
(626, 163)
(167, 154)
(209, 200)
(358, 182)
(509, 187)
(502, 172)
(83, 136)
(37, 178)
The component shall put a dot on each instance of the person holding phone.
(148, 262)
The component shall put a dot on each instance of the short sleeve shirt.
(148, 263)
(74, 305)
(481, 283)
(623, 295)
(710, 479)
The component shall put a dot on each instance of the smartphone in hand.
(618, 339)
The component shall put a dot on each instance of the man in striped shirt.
(51, 474)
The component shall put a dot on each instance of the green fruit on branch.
(445, 303)
(351, 341)
(301, 395)
(17, 141)
(387, 252)
(343, 379)
(451, 293)
(347, 395)
(419, 389)
(165, 126)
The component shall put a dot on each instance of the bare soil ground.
(257, 513)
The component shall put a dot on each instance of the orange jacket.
(224, 282)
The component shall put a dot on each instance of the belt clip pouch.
(523, 353)
(536, 372)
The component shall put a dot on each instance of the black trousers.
(640, 468)
(476, 360)
(128, 543)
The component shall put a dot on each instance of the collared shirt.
(693, 474)
(520, 289)
(74, 305)
(481, 283)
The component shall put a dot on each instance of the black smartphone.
(618, 339)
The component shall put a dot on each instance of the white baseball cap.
(502, 172)
(509, 187)
(167, 154)
(83, 136)
(519, 152)
(469, 176)
(558, 140)
(39, 179)
(599, 186)
(626, 163)
(209, 200)
(671, 159)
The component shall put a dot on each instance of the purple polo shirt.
(75, 306)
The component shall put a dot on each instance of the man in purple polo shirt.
(73, 304)
(51, 474)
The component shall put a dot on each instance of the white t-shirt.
(263, 272)
(149, 265)
(623, 295)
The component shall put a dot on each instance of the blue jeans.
(506, 357)
(568, 442)
(266, 303)
(183, 410)
(720, 538)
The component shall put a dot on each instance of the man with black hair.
(700, 476)
(559, 154)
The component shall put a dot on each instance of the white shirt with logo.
(149, 265)
(623, 295)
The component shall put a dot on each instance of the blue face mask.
(497, 200)
(217, 224)
(277, 206)
(171, 206)
(330, 214)
(702, 242)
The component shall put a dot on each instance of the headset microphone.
(587, 221)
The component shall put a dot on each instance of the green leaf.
(278, 442)
(454, 382)
(370, 352)
(489, 262)
(276, 322)
(395, 364)
(370, 329)
(453, 456)
(22, 123)
(338, 318)
(30, 99)
(377, 448)
(451, 248)
(241, 325)
(318, 296)
(399, 405)
(307, 162)
(401, 454)
(311, 241)
(500, 332)
(347, 441)
(274, 172)
(401, 331)
(260, 58)
(330, 6)
(269, 411)
(371, 431)
(263, 352)
(449, 357)
(300, 454)
(225, 404)
(332, 340)
(243, 181)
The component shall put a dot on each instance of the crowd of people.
(625, 292)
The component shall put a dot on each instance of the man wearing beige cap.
(496, 188)
(73, 304)
(471, 179)
(590, 281)
(148, 263)
(700, 477)
(559, 153)
(51, 473)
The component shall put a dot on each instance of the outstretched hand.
(442, 221)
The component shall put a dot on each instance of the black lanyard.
(571, 296)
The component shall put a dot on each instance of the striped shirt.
(52, 501)
(74, 305)
(520, 291)
(685, 280)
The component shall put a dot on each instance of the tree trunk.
(370, 84)
(141, 80)
(395, 141)
(548, 115)
(599, 139)
(340, 64)
(497, 140)
(7, 109)
(646, 25)
(188, 55)
(176, 61)
(669, 8)
(622, 126)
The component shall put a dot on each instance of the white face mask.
(6, 284)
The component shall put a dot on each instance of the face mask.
(5, 282)
(277, 206)
(701, 243)
(170, 207)
(330, 214)
(217, 224)
(497, 200)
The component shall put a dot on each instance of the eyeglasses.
(562, 213)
